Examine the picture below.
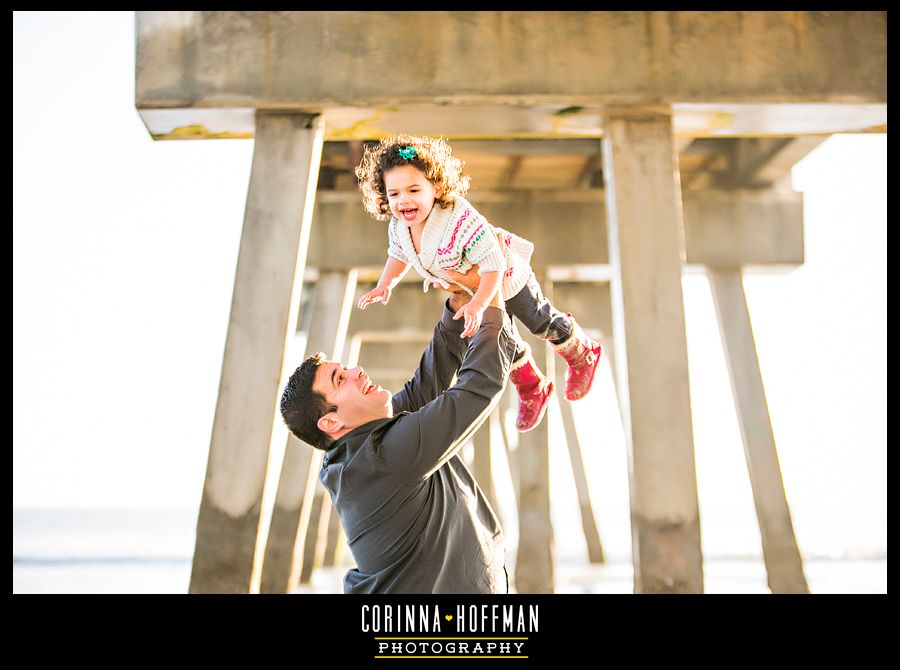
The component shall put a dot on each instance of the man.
(416, 520)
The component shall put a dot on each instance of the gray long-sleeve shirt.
(415, 519)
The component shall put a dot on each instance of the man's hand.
(471, 281)
(458, 297)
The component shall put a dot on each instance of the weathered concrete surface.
(534, 558)
(669, 555)
(743, 228)
(646, 252)
(225, 546)
(589, 304)
(721, 227)
(780, 551)
(314, 60)
(287, 531)
(266, 300)
(574, 446)
(761, 161)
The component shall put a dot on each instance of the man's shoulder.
(371, 432)
(363, 452)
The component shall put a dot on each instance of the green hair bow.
(407, 153)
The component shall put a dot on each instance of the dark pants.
(536, 313)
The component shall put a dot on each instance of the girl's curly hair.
(432, 156)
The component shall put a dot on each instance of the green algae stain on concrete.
(568, 111)
(559, 118)
(360, 130)
(199, 132)
(721, 121)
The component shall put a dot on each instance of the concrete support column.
(588, 523)
(264, 309)
(534, 559)
(782, 556)
(290, 516)
(646, 247)
(287, 537)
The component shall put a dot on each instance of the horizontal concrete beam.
(510, 74)
(760, 162)
(731, 229)
(522, 147)
(779, 164)
(322, 59)
(722, 228)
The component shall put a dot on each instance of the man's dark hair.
(301, 407)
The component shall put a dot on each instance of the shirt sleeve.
(440, 361)
(394, 249)
(420, 443)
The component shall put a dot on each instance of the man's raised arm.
(426, 439)
(443, 355)
(440, 361)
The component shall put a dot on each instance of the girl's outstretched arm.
(394, 270)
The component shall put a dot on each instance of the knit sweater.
(457, 238)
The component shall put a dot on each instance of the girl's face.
(410, 195)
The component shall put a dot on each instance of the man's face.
(410, 195)
(358, 400)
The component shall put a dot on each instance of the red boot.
(582, 355)
(534, 391)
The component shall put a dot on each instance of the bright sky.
(124, 252)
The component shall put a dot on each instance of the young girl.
(418, 185)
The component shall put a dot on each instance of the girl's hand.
(378, 294)
(473, 313)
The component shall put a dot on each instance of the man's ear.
(330, 424)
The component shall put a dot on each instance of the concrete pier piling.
(534, 558)
(646, 246)
(265, 303)
(784, 565)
